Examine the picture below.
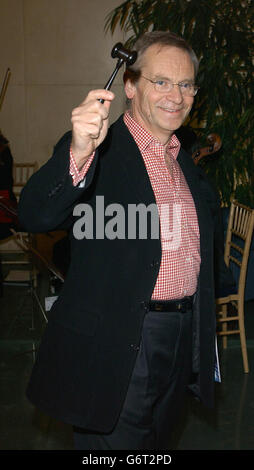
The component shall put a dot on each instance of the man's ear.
(130, 89)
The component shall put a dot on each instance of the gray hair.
(162, 38)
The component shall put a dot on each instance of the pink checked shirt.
(180, 261)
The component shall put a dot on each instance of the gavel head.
(127, 56)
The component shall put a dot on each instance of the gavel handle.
(111, 79)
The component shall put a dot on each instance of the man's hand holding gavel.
(90, 124)
(90, 118)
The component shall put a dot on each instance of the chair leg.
(243, 337)
(224, 326)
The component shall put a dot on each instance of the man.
(135, 323)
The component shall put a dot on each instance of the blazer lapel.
(134, 166)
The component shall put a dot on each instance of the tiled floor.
(229, 426)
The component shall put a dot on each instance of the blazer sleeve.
(48, 198)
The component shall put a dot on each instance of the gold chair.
(28, 278)
(25, 277)
(237, 248)
(21, 174)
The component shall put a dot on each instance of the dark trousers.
(156, 391)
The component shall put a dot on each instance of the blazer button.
(135, 347)
(154, 263)
(144, 305)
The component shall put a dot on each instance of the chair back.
(238, 240)
(21, 174)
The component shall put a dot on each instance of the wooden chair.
(28, 278)
(21, 174)
(25, 277)
(237, 248)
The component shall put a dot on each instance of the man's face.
(161, 113)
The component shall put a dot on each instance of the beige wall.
(57, 50)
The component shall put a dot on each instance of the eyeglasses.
(164, 86)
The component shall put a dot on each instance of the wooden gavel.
(129, 57)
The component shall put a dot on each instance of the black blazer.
(90, 344)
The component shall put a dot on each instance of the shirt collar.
(144, 139)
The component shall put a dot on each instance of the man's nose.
(175, 94)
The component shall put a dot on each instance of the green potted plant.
(221, 33)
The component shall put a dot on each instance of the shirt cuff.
(76, 174)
